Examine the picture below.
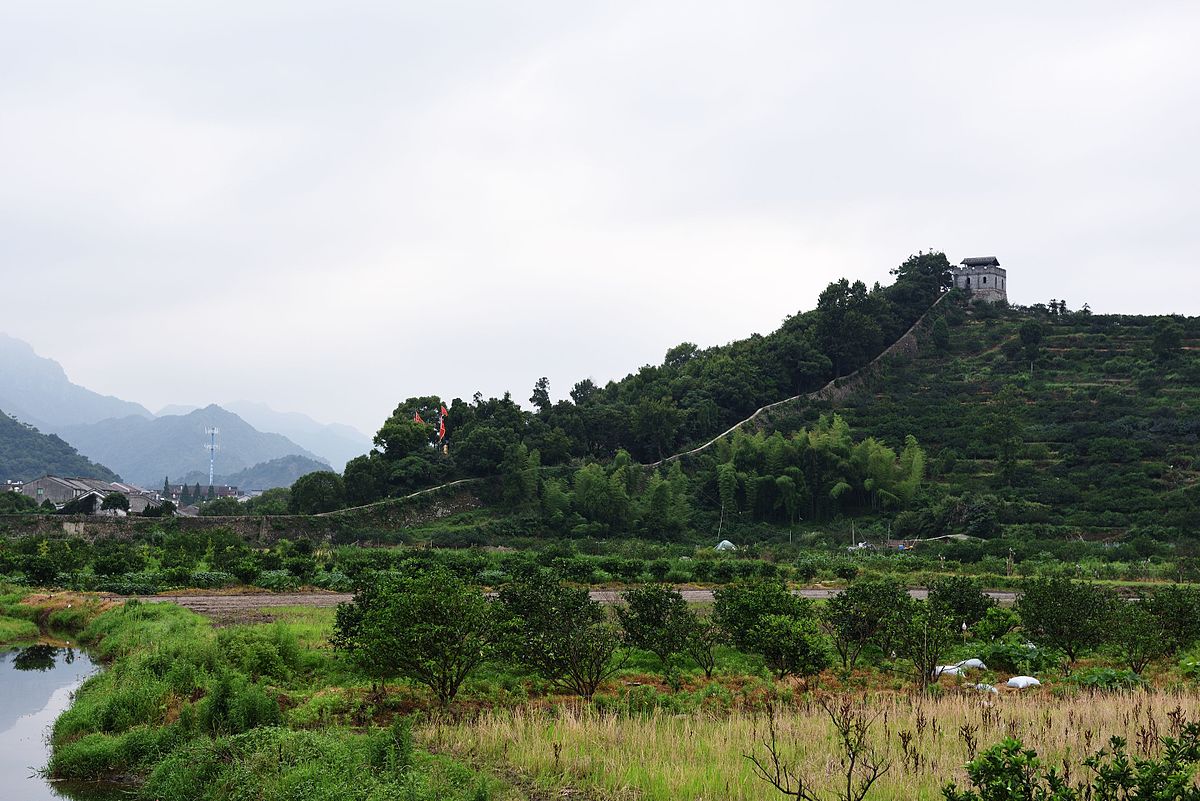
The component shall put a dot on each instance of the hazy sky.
(332, 206)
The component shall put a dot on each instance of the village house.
(60, 491)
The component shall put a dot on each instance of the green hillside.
(1026, 430)
(279, 472)
(26, 453)
(1088, 426)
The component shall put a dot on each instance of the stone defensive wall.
(394, 514)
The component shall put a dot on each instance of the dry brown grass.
(701, 756)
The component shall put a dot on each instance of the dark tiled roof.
(981, 261)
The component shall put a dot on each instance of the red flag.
(441, 429)
(417, 417)
(444, 412)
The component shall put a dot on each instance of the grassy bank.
(185, 711)
(25, 616)
(15, 630)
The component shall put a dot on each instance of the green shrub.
(1106, 678)
(260, 651)
(1189, 665)
(1014, 655)
(277, 580)
(234, 705)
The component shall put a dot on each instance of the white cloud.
(330, 208)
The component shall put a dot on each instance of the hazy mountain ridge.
(91, 427)
(336, 442)
(281, 472)
(144, 450)
(38, 391)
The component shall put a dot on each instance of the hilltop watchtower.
(983, 277)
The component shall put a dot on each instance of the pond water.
(36, 683)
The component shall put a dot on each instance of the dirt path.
(231, 606)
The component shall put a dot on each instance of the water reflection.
(41, 657)
(36, 684)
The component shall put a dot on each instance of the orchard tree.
(701, 643)
(923, 635)
(764, 617)
(790, 645)
(863, 614)
(432, 628)
(1031, 339)
(1137, 635)
(656, 618)
(961, 597)
(738, 608)
(1177, 611)
(559, 633)
(1167, 338)
(1072, 616)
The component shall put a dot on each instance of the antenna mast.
(212, 451)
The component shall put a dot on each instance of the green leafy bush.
(1106, 678)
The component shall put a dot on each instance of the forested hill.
(26, 454)
(694, 394)
(1047, 424)
(281, 472)
(1017, 425)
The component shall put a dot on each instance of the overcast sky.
(330, 207)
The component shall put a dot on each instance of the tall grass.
(196, 712)
(662, 756)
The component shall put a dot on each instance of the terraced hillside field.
(1051, 425)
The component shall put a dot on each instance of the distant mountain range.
(37, 391)
(281, 472)
(126, 438)
(335, 442)
(144, 451)
(26, 454)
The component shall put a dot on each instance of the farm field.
(424, 685)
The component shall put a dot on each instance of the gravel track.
(224, 605)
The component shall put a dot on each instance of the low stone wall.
(392, 515)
